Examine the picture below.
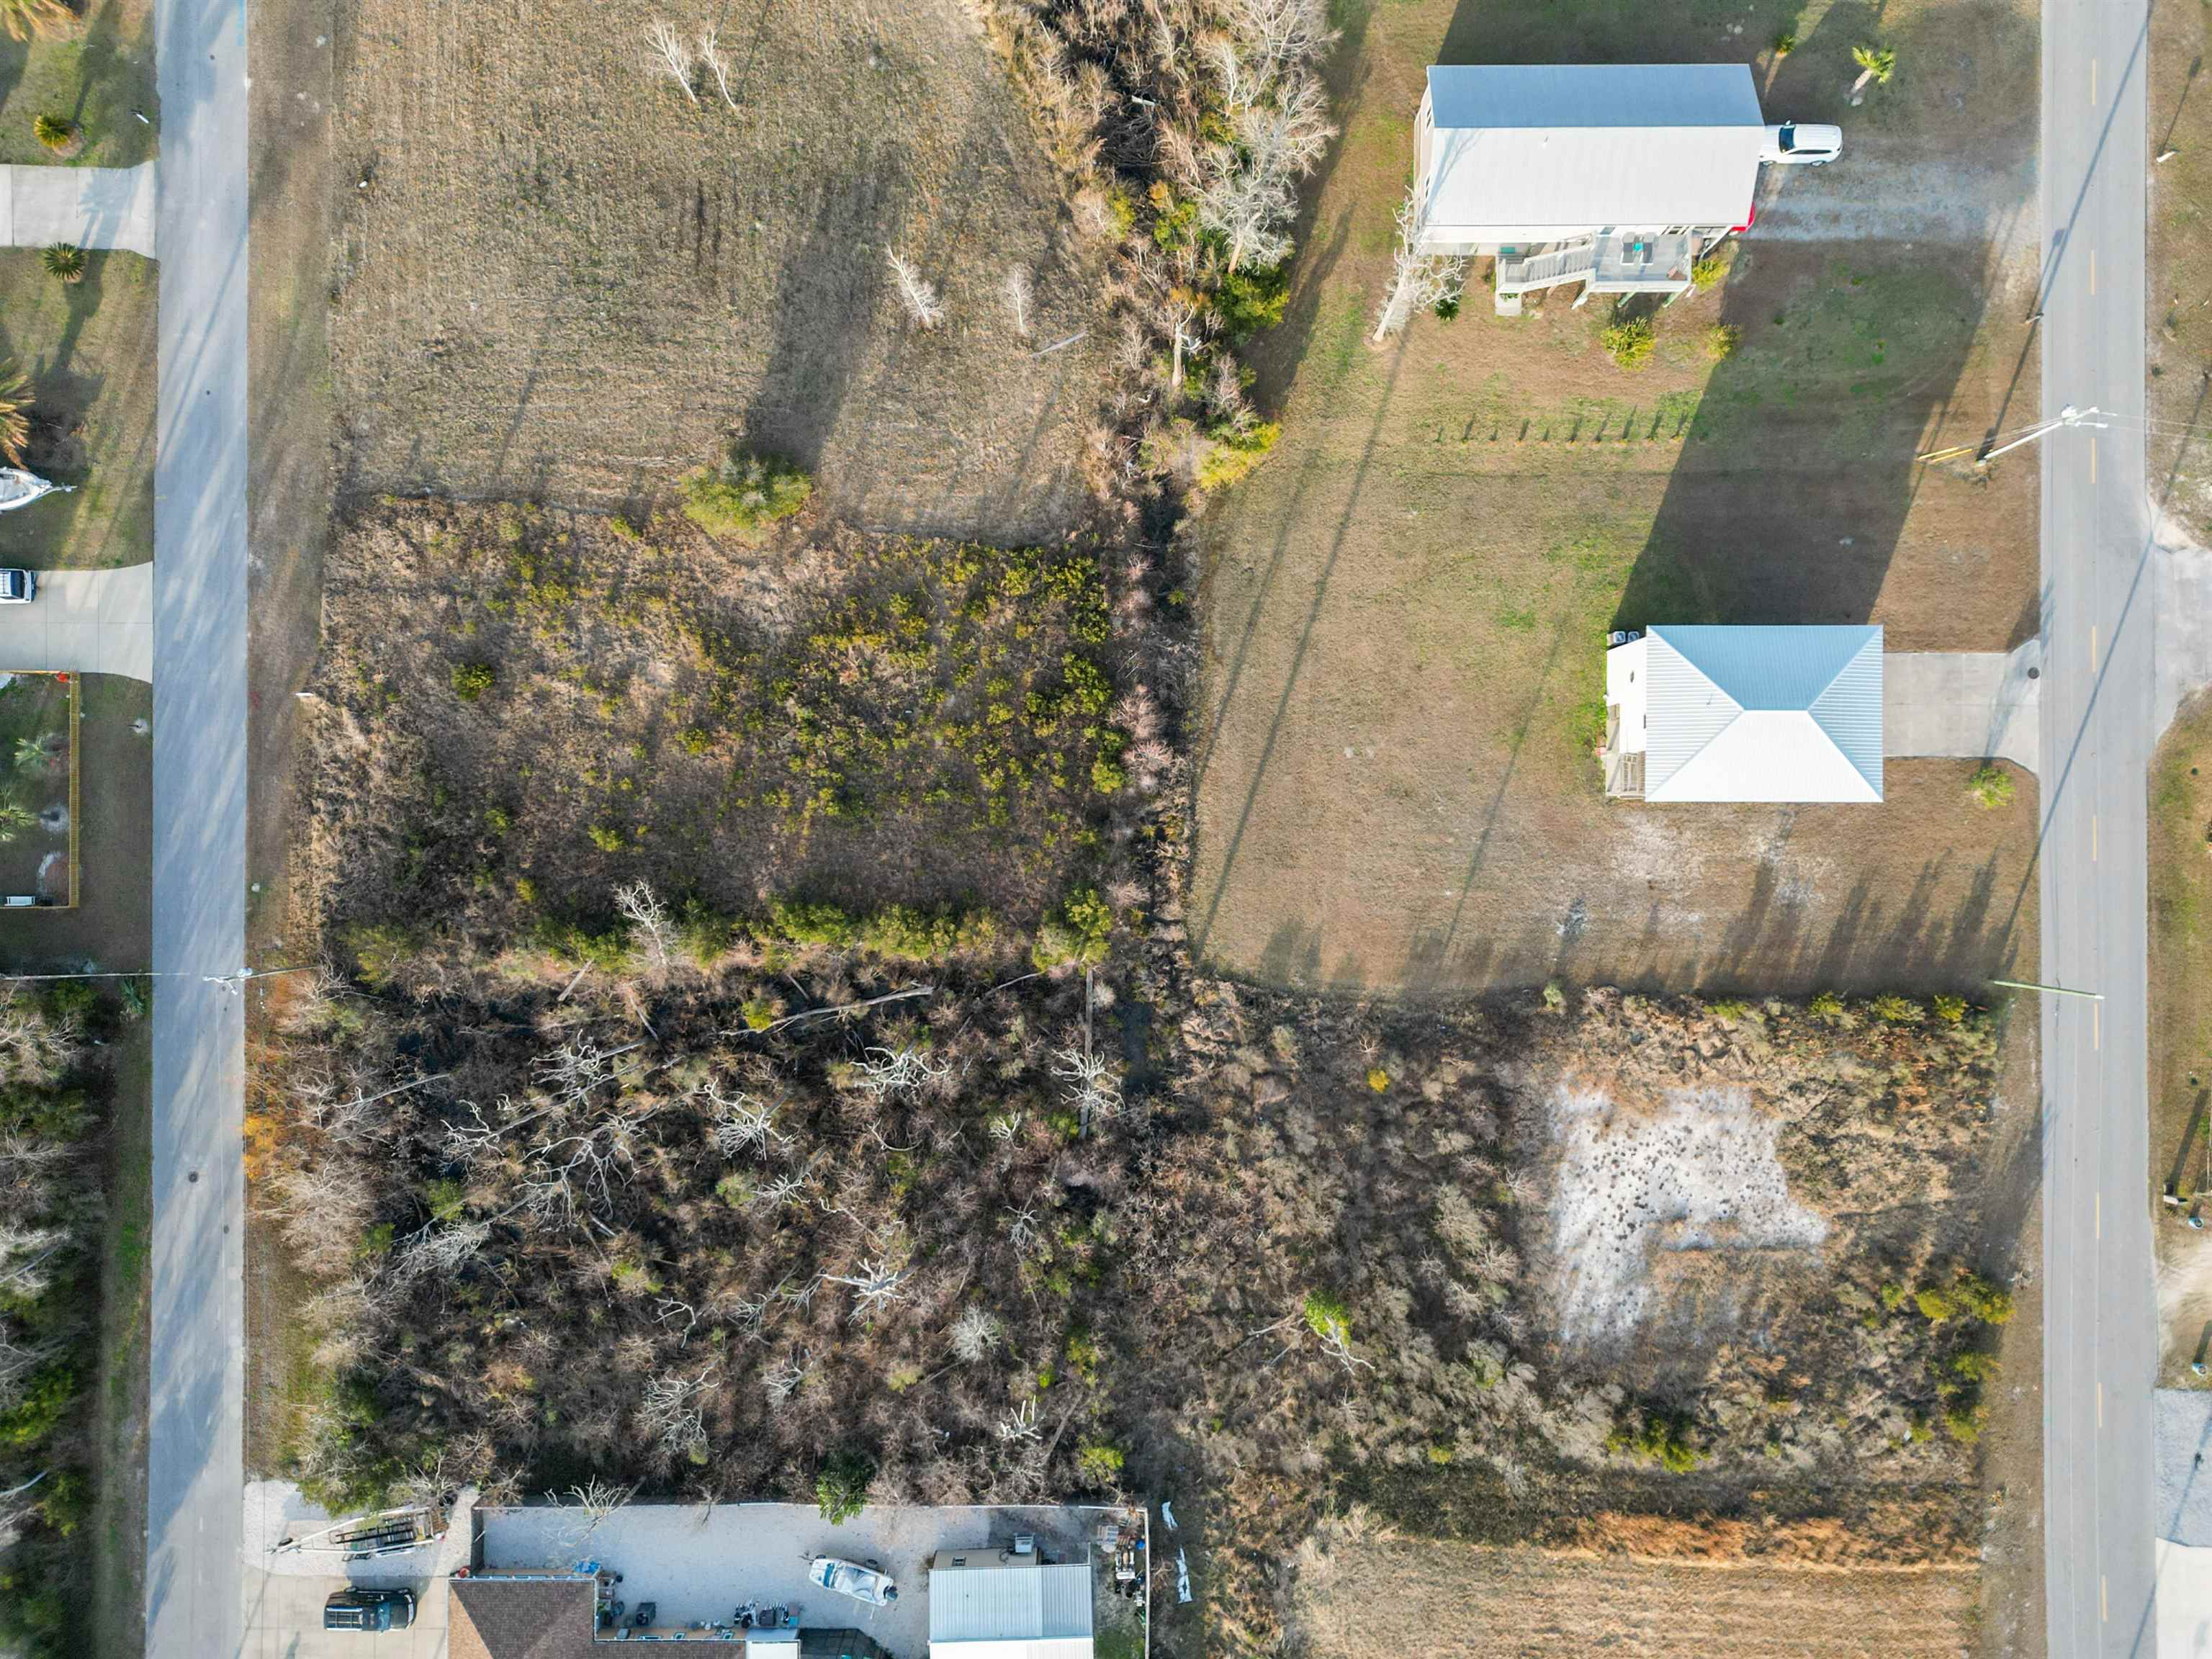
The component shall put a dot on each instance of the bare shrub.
(917, 295)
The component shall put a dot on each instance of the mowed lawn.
(89, 349)
(1405, 607)
(97, 73)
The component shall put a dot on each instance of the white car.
(1801, 143)
(867, 1583)
(18, 588)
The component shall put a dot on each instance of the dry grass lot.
(2179, 312)
(1361, 1591)
(1406, 606)
(96, 74)
(88, 347)
(558, 277)
(2181, 1033)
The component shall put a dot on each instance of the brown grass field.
(558, 279)
(1404, 607)
(2181, 1033)
(1370, 1593)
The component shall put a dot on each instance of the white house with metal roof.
(1745, 714)
(1617, 176)
(1003, 1604)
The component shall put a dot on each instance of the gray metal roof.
(1763, 713)
(1575, 147)
(995, 1603)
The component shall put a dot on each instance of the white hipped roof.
(1029, 1611)
(1762, 714)
(1527, 151)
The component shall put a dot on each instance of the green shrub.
(1378, 1080)
(381, 951)
(1990, 785)
(1326, 1318)
(1964, 1423)
(1708, 268)
(1727, 1008)
(1934, 1305)
(1251, 299)
(56, 132)
(1785, 44)
(1951, 1010)
(1079, 934)
(1826, 1005)
(1984, 1300)
(761, 1011)
(1099, 1465)
(1235, 452)
(1661, 1437)
(1630, 341)
(472, 680)
(1892, 1009)
(746, 495)
(1721, 340)
(841, 1490)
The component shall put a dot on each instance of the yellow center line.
(2104, 1609)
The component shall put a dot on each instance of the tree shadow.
(825, 304)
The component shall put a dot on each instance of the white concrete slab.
(83, 622)
(92, 207)
(2184, 1600)
(1969, 704)
(284, 1618)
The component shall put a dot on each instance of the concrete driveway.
(83, 622)
(284, 1619)
(92, 207)
(1971, 704)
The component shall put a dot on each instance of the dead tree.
(668, 53)
(919, 297)
(1419, 281)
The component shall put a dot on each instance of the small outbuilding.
(1782, 714)
(1616, 176)
(987, 1603)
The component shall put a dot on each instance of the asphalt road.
(2099, 1332)
(196, 1477)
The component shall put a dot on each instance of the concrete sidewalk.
(1970, 704)
(92, 207)
(83, 622)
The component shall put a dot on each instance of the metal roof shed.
(1533, 153)
(1760, 714)
(985, 1606)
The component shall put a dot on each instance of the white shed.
(994, 1604)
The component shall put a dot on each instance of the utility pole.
(1988, 449)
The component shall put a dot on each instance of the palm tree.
(64, 260)
(37, 754)
(1876, 63)
(14, 816)
(24, 18)
(16, 398)
(56, 133)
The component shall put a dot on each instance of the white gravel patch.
(1698, 1173)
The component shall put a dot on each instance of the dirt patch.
(556, 277)
(97, 73)
(89, 349)
(1359, 1589)
(1638, 1196)
(1404, 608)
